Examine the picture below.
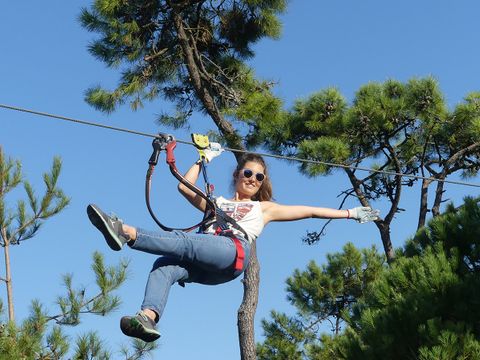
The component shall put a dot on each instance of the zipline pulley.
(201, 142)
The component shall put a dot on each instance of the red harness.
(240, 256)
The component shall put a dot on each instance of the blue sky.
(45, 66)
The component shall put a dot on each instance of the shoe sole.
(132, 327)
(96, 218)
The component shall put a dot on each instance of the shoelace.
(114, 217)
(144, 317)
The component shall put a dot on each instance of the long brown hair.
(265, 191)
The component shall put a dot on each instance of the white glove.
(363, 214)
(213, 150)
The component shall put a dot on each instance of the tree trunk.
(8, 281)
(438, 198)
(246, 312)
(423, 203)
(386, 240)
(337, 325)
(382, 225)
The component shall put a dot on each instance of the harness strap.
(240, 255)
(223, 220)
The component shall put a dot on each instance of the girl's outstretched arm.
(276, 212)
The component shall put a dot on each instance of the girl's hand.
(214, 150)
(363, 214)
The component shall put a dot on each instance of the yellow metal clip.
(201, 143)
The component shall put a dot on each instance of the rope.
(282, 157)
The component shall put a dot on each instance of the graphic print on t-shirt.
(237, 211)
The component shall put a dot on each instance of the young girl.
(207, 258)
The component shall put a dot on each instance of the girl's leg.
(165, 272)
(210, 252)
(213, 253)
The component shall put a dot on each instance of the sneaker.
(109, 226)
(139, 326)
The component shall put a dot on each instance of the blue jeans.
(186, 257)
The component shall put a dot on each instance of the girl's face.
(249, 179)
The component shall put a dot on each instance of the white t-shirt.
(248, 214)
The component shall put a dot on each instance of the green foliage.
(189, 53)
(425, 100)
(457, 232)
(57, 342)
(89, 346)
(258, 104)
(139, 350)
(10, 178)
(40, 336)
(74, 303)
(331, 291)
(464, 126)
(392, 128)
(285, 336)
(424, 306)
(407, 121)
(321, 296)
(410, 294)
(333, 150)
(451, 346)
(22, 224)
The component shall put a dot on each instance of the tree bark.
(382, 225)
(8, 281)
(423, 204)
(438, 198)
(384, 229)
(449, 168)
(246, 312)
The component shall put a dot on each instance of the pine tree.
(193, 53)
(17, 226)
(40, 336)
(399, 127)
(426, 304)
(423, 306)
(321, 295)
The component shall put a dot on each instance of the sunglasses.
(249, 173)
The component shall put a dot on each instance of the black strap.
(223, 220)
